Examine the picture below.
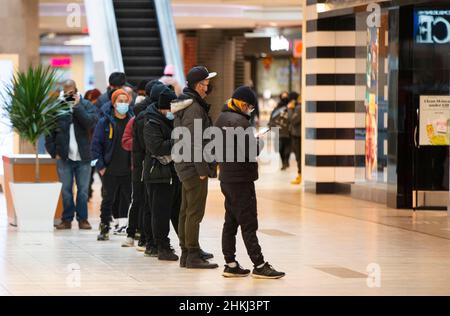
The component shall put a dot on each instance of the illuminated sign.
(279, 43)
(61, 62)
(432, 26)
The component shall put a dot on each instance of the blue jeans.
(81, 171)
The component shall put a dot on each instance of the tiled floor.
(326, 244)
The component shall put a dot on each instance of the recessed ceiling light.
(206, 26)
(273, 24)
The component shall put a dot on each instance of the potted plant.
(33, 109)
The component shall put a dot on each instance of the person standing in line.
(116, 81)
(70, 143)
(131, 143)
(161, 180)
(112, 161)
(295, 125)
(141, 92)
(92, 96)
(154, 89)
(237, 179)
(169, 80)
(192, 107)
(280, 118)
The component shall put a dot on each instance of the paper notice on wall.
(434, 120)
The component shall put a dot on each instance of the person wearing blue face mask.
(112, 161)
(160, 177)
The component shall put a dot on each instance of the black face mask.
(210, 89)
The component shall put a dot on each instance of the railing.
(106, 49)
(169, 38)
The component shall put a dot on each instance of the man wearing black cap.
(116, 81)
(190, 110)
(237, 177)
(161, 180)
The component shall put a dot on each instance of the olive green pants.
(193, 203)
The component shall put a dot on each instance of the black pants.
(147, 225)
(112, 187)
(285, 150)
(115, 205)
(165, 200)
(136, 208)
(297, 149)
(240, 210)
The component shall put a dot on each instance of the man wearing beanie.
(113, 162)
(161, 180)
(237, 177)
(192, 107)
(153, 91)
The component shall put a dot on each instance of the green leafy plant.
(32, 106)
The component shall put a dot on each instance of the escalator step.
(140, 41)
(138, 32)
(143, 61)
(131, 51)
(128, 23)
(144, 71)
(135, 13)
(133, 4)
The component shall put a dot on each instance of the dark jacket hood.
(158, 117)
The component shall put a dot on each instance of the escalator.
(140, 39)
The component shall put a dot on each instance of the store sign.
(434, 120)
(61, 62)
(432, 26)
(278, 43)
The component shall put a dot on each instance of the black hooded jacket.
(158, 167)
(138, 130)
(237, 170)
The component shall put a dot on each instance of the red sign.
(298, 48)
(61, 62)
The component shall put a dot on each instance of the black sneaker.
(236, 272)
(167, 254)
(151, 252)
(267, 272)
(104, 232)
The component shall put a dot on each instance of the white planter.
(35, 205)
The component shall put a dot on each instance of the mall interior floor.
(326, 244)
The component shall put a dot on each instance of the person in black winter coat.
(280, 119)
(112, 161)
(238, 172)
(154, 90)
(295, 122)
(70, 144)
(139, 210)
(163, 185)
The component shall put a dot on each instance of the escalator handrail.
(169, 40)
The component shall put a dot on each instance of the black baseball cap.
(199, 73)
(117, 79)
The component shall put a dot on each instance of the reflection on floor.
(327, 245)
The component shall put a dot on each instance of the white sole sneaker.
(257, 276)
(232, 275)
(141, 249)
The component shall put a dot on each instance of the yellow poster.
(434, 120)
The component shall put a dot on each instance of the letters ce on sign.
(432, 26)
